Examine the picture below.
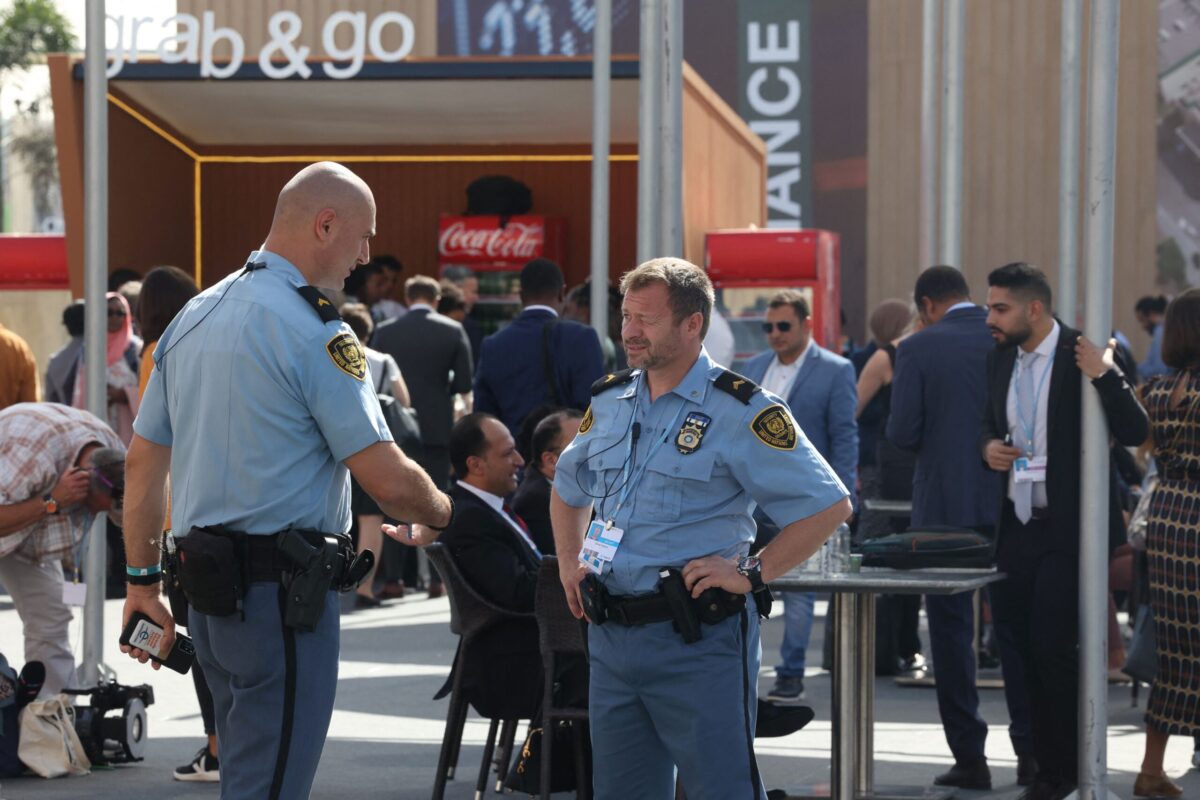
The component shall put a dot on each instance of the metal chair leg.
(452, 734)
(547, 753)
(583, 784)
(508, 733)
(485, 766)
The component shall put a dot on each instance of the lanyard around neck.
(1030, 426)
(632, 480)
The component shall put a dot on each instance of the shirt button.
(677, 470)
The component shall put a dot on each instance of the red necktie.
(513, 515)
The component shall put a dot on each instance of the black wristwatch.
(751, 568)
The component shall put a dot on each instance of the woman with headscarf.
(123, 350)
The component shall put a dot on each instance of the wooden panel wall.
(1010, 208)
(250, 20)
(238, 199)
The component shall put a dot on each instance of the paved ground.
(386, 731)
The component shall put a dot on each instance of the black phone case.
(182, 654)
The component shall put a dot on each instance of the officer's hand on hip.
(148, 600)
(714, 571)
(571, 573)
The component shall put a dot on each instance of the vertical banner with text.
(774, 76)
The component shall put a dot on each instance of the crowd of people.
(970, 411)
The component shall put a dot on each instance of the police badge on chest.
(691, 433)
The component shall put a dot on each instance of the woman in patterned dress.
(1173, 544)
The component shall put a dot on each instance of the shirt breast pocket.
(674, 482)
(605, 460)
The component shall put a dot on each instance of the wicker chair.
(559, 633)
(470, 615)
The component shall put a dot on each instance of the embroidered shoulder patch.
(586, 424)
(773, 426)
(348, 355)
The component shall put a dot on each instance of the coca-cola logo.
(517, 241)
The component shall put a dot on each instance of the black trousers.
(1037, 605)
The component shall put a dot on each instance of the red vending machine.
(748, 266)
(496, 251)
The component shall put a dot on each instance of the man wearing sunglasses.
(819, 388)
(59, 467)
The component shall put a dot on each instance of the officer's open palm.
(148, 600)
(714, 571)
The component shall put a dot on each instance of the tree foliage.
(30, 29)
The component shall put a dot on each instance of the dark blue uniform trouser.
(656, 703)
(273, 690)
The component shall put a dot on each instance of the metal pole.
(864, 743)
(95, 258)
(670, 147)
(953, 29)
(1093, 534)
(649, 108)
(845, 694)
(929, 135)
(601, 118)
(1068, 163)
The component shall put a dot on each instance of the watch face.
(749, 563)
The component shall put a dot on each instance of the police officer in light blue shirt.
(673, 457)
(259, 408)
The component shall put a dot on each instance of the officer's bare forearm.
(146, 467)
(801, 539)
(569, 524)
(399, 485)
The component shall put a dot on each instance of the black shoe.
(1040, 790)
(363, 601)
(1026, 770)
(914, 663)
(204, 768)
(787, 691)
(775, 720)
(973, 775)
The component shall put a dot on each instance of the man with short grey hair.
(59, 467)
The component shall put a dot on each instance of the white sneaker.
(204, 768)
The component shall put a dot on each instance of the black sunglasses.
(784, 327)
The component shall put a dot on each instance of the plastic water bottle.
(835, 553)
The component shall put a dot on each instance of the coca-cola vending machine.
(496, 249)
(748, 266)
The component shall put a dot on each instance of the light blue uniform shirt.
(695, 504)
(257, 413)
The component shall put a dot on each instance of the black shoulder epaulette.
(732, 383)
(611, 380)
(320, 303)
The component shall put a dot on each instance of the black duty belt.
(631, 610)
(266, 563)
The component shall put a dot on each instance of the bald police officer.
(257, 405)
(673, 456)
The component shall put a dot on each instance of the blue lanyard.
(633, 480)
(1030, 428)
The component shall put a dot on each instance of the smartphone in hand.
(145, 634)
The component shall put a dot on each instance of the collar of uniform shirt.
(527, 309)
(693, 387)
(278, 262)
(497, 504)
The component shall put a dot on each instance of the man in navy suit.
(939, 392)
(819, 387)
(539, 359)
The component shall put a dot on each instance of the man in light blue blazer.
(819, 388)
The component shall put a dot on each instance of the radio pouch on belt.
(311, 577)
(210, 572)
(679, 600)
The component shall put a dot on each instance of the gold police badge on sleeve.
(773, 427)
(692, 432)
(586, 424)
(348, 355)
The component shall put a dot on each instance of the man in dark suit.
(468, 284)
(939, 390)
(819, 388)
(1032, 434)
(434, 357)
(532, 500)
(538, 359)
(492, 548)
(435, 360)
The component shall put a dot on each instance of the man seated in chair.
(493, 550)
